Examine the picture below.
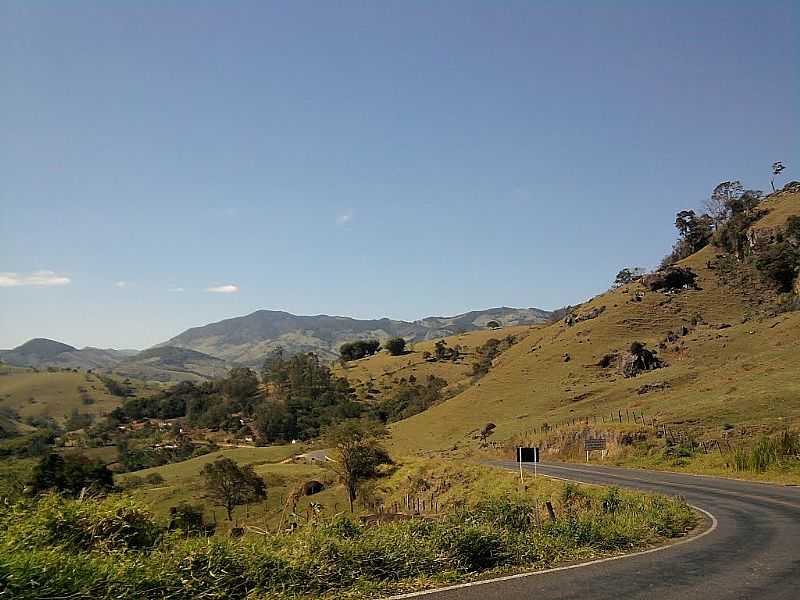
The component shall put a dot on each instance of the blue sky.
(370, 159)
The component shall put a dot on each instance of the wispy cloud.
(176, 290)
(224, 289)
(344, 218)
(41, 278)
(122, 284)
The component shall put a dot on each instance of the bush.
(83, 524)
(396, 346)
(70, 475)
(359, 349)
(472, 548)
(779, 264)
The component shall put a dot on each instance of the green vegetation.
(113, 548)
(228, 485)
(358, 349)
(396, 346)
(769, 452)
(487, 352)
(302, 397)
(70, 475)
(136, 459)
(358, 453)
(408, 398)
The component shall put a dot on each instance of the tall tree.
(228, 485)
(777, 168)
(718, 203)
(358, 452)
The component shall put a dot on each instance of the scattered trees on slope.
(409, 398)
(488, 351)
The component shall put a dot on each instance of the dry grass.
(379, 372)
(744, 374)
(42, 394)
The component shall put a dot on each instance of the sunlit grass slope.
(383, 369)
(35, 394)
(743, 374)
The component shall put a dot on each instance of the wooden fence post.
(551, 513)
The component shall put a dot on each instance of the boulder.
(670, 279)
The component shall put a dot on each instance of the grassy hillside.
(377, 375)
(43, 394)
(183, 483)
(734, 367)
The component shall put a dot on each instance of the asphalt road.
(753, 550)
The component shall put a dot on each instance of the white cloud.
(344, 218)
(41, 278)
(224, 289)
(177, 290)
(122, 284)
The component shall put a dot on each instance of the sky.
(168, 164)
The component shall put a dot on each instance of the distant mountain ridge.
(248, 339)
(208, 350)
(42, 352)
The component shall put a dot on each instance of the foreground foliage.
(112, 548)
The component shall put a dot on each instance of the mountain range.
(202, 352)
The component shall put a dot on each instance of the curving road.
(751, 551)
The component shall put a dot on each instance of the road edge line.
(711, 529)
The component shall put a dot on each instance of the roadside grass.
(114, 548)
(767, 458)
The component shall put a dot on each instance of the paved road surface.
(754, 552)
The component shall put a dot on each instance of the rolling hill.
(171, 364)
(377, 376)
(247, 340)
(42, 352)
(729, 349)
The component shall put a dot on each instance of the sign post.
(527, 455)
(590, 444)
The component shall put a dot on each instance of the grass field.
(183, 482)
(43, 394)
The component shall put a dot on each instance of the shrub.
(472, 547)
(70, 475)
(396, 346)
(84, 524)
(359, 349)
(779, 263)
